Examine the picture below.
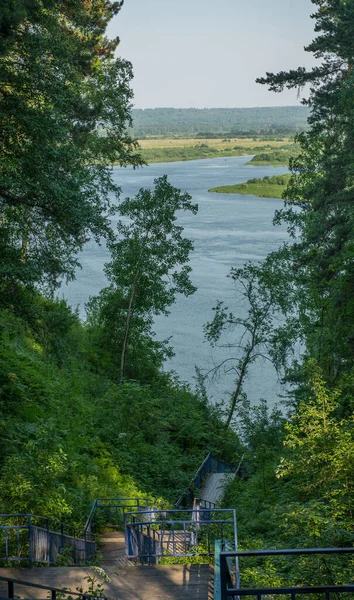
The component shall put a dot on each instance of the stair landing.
(157, 582)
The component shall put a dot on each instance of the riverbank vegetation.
(266, 187)
(85, 408)
(172, 150)
(72, 433)
(275, 158)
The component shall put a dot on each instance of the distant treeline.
(229, 122)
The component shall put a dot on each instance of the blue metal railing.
(54, 592)
(152, 535)
(209, 465)
(112, 510)
(227, 584)
(35, 539)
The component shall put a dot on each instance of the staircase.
(140, 537)
(208, 483)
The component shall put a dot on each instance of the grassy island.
(275, 158)
(268, 187)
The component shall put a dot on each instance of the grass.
(276, 158)
(171, 150)
(268, 187)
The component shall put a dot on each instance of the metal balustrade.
(111, 511)
(209, 465)
(26, 538)
(155, 534)
(52, 591)
(227, 581)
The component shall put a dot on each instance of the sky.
(208, 53)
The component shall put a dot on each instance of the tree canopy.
(149, 267)
(61, 86)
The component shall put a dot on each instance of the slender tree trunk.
(243, 372)
(126, 331)
(239, 385)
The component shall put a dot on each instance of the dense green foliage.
(231, 121)
(71, 434)
(266, 187)
(60, 85)
(298, 485)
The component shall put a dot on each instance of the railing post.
(48, 542)
(223, 577)
(62, 535)
(76, 548)
(237, 566)
(10, 589)
(85, 549)
(30, 540)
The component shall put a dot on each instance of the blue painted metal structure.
(227, 585)
(111, 511)
(26, 538)
(52, 591)
(209, 465)
(155, 534)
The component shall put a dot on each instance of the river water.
(227, 231)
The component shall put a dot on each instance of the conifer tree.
(319, 200)
(64, 109)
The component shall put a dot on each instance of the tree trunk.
(126, 332)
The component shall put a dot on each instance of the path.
(158, 582)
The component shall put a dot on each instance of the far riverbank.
(180, 150)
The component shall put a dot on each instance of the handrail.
(88, 523)
(195, 481)
(53, 590)
(226, 589)
(191, 483)
(45, 538)
(58, 526)
(176, 532)
(117, 502)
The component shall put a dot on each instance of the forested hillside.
(209, 122)
(86, 409)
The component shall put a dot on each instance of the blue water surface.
(228, 231)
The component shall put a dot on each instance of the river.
(227, 231)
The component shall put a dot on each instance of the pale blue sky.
(208, 53)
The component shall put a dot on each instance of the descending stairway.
(158, 532)
(157, 582)
(113, 552)
(208, 483)
(150, 534)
